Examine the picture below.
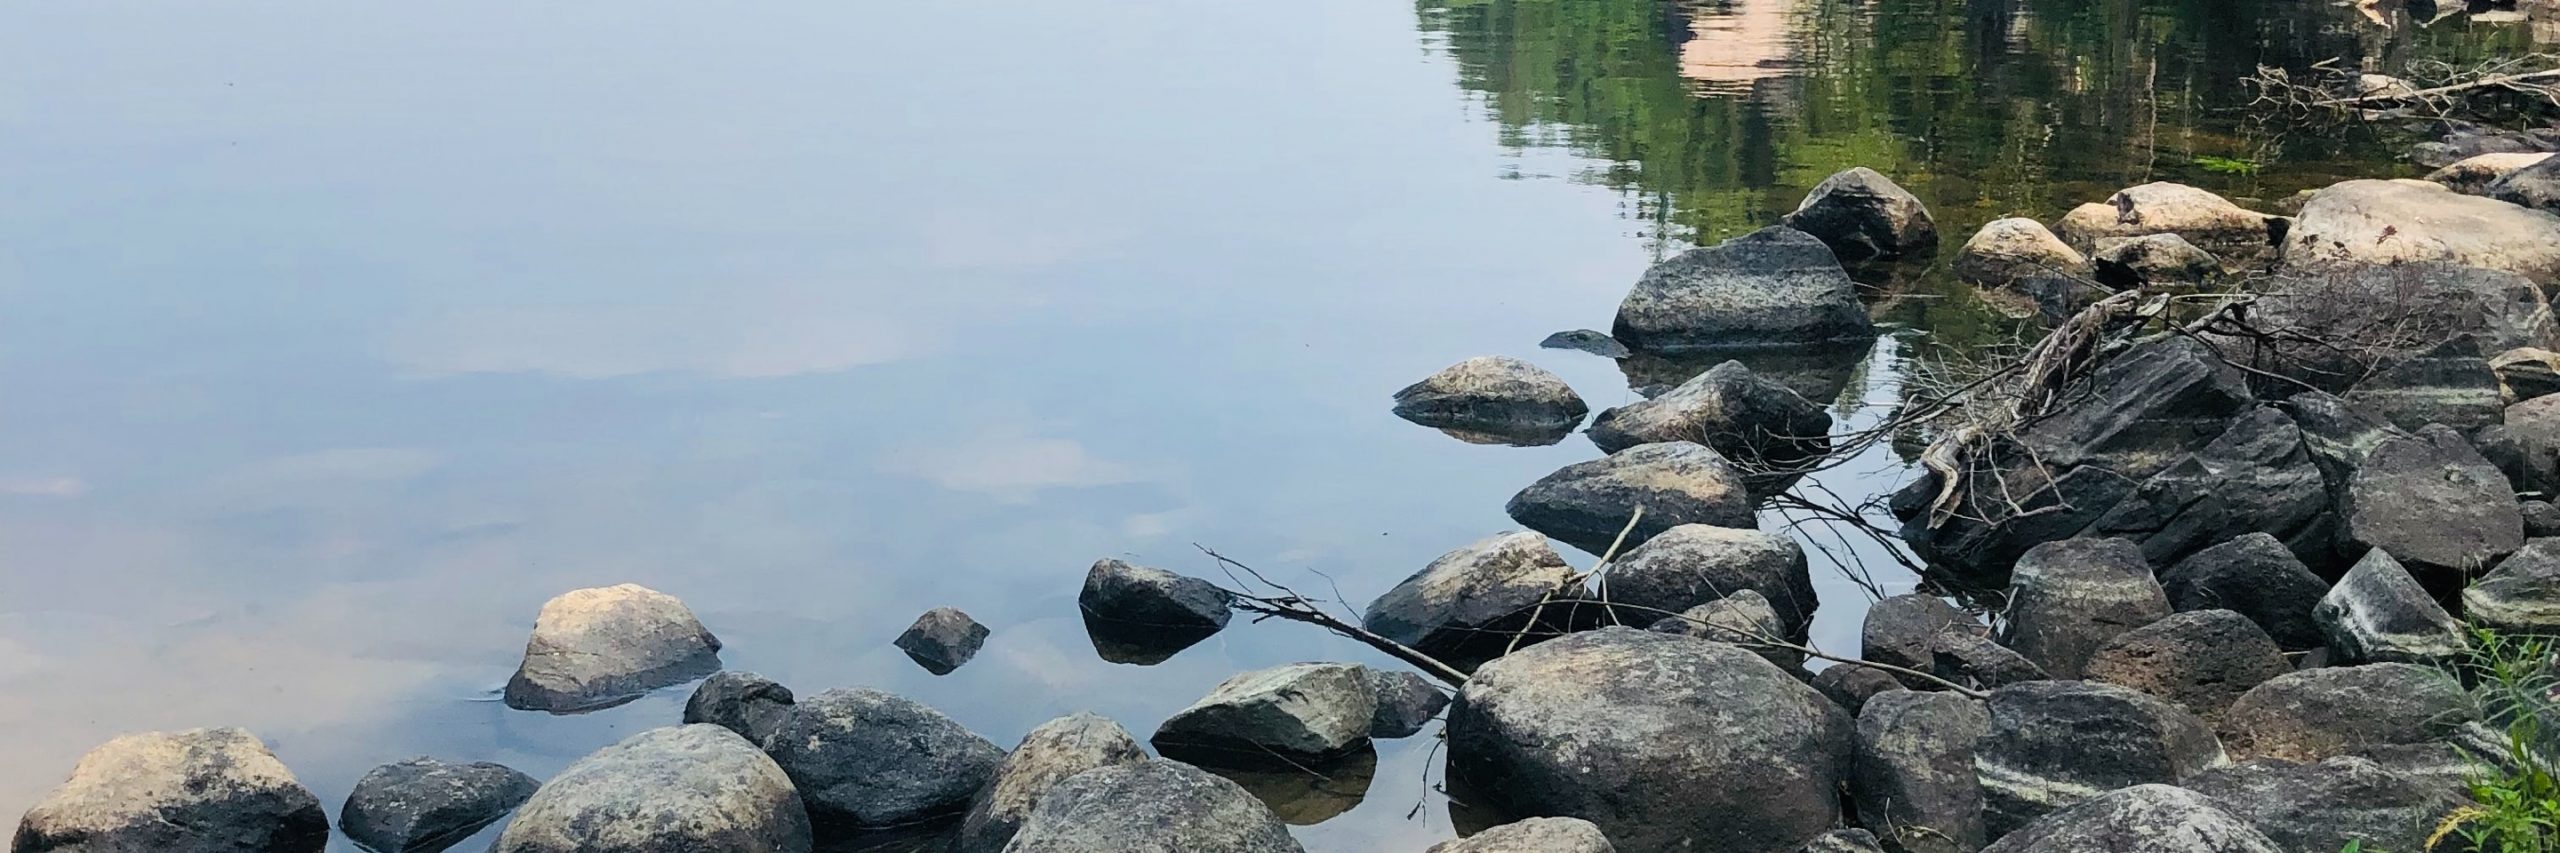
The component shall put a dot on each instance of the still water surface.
(336, 338)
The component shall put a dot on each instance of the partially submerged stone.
(1468, 603)
(2403, 221)
(865, 758)
(2203, 660)
(1865, 216)
(694, 788)
(1535, 835)
(2474, 175)
(1695, 564)
(423, 805)
(942, 639)
(1295, 713)
(195, 791)
(1498, 396)
(1760, 425)
(1586, 340)
(2321, 713)
(1151, 612)
(2056, 743)
(2379, 613)
(2206, 220)
(2329, 805)
(1151, 807)
(2069, 598)
(1776, 287)
(2254, 576)
(2522, 596)
(1588, 504)
(1051, 753)
(1664, 742)
(751, 705)
(2139, 819)
(2009, 250)
(1406, 702)
(2157, 261)
(600, 647)
(1913, 777)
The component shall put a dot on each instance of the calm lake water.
(335, 338)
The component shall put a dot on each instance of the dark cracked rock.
(423, 805)
(942, 639)
(1149, 613)
(2336, 325)
(2316, 714)
(865, 758)
(1695, 564)
(1664, 742)
(1305, 712)
(1505, 400)
(1466, 605)
(2257, 476)
(2256, 576)
(2055, 743)
(2069, 598)
(2329, 805)
(1865, 216)
(2541, 519)
(2451, 384)
(1058, 749)
(1913, 777)
(1772, 288)
(1755, 422)
(1902, 631)
(1587, 504)
(1151, 807)
(2522, 596)
(697, 788)
(2139, 819)
(601, 647)
(2202, 660)
(195, 791)
(743, 702)
(1406, 702)
(2379, 612)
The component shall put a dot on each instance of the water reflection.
(1306, 795)
(1734, 44)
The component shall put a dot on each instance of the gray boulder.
(693, 788)
(1504, 400)
(1296, 713)
(1762, 426)
(2525, 373)
(1664, 742)
(2203, 660)
(2475, 175)
(2522, 596)
(195, 791)
(2069, 598)
(2157, 261)
(2139, 819)
(1964, 657)
(2450, 384)
(2435, 503)
(1467, 604)
(1151, 807)
(2536, 186)
(423, 805)
(2316, 714)
(866, 758)
(1406, 702)
(600, 647)
(1058, 749)
(1587, 504)
(2056, 743)
(1694, 564)
(1902, 631)
(1865, 216)
(2333, 326)
(743, 702)
(2009, 250)
(1913, 779)
(2379, 613)
(2541, 519)
(2529, 446)
(2254, 576)
(942, 639)
(2404, 221)
(1742, 619)
(1853, 686)
(1535, 835)
(2209, 221)
(1776, 287)
(1149, 611)
(2329, 805)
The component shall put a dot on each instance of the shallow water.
(334, 339)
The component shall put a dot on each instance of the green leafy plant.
(2227, 165)
(2516, 793)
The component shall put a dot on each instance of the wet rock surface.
(1586, 340)
(1051, 753)
(1505, 398)
(1406, 703)
(2378, 612)
(1150, 609)
(2202, 660)
(423, 805)
(864, 758)
(743, 702)
(1662, 741)
(2139, 819)
(1776, 287)
(600, 647)
(194, 791)
(2259, 475)
(2255, 576)
(2521, 596)
(1913, 777)
(1865, 216)
(1535, 835)
(1755, 422)
(942, 639)
(696, 788)
(2008, 250)
(1151, 807)
(2316, 714)
(2052, 744)
(2068, 598)
(1695, 564)
(1587, 504)
(2329, 805)
(1468, 603)
(1299, 712)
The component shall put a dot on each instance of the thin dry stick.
(1291, 606)
(1540, 612)
(1770, 640)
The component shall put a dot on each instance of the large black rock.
(1865, 216)
(864, 758)
(2255, 576)
(1914, 779)
(2379, 612)
(1762, 426)
(2202, 660)
(423, 805)
(751, 705)
(1152, 613)
(2522, 596)
(2435, 503)
(1772, 288)
(2069, 598)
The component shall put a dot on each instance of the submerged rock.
(2321, 713)
(2535, 186)
(195, 791)
(2203, 660)
(1776, 287)
(2379, 613)
(2014, 249)
(2157, 261)
(1865, 216)
(1902, 630)
(1467, 604)
(2208, 221)
(1695, 564)
(1295, 713)
(1406, 702)
(1587, 504)
(2055, 743)
(1914, 779)
(2254, 576)
(600, 647)
(743, 702)
(1586, 340)
(2329, 805)
(2434, 503)
(1058, 749)
(1151, 807)
(1760, 425)
(865, 758)
(695, 788)
(942, 639)
(1494, 395)
(423, 805)
(2474, 175)
(1664, 742)
(1306, 794)
(1535, 835)
(2522, 596)
(2070, 597)
(2402, 221)
(1150, 609)
(2139, 819)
